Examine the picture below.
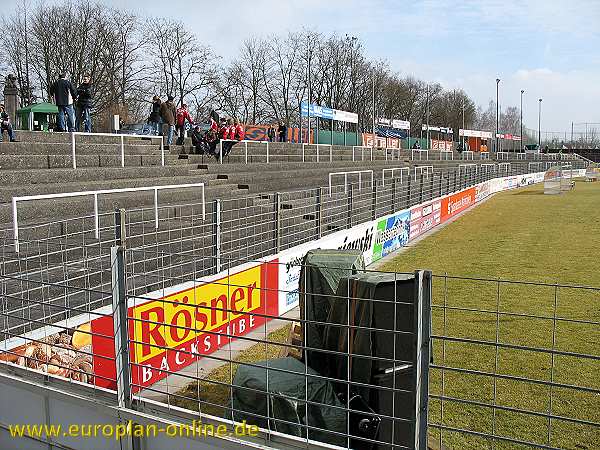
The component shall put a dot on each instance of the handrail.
(393, 169)
(362, 153)
(467, 166)
(95, 194)
(122, 136)
(428, 170)
(245, 141)
(465, 153)
(350, 172)
(420, 151)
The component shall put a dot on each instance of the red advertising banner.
(424, 218)
(456, 203)
(259, 133)
(171, 333)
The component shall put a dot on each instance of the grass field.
(517, 235)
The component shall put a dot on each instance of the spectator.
(154, 118)
(182, 115)
(168, 115)
(416, 145)
(198, 141)
(64, 93)
(271, 133)
(282, 131)
(84, 105)
(240, 132)
(6, 125)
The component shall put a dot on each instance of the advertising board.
(424, 217)
(359, 237)
(391, 234)
(456, 203)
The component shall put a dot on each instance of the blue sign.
(321, 112)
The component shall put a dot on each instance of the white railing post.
(221, 151)
(331, 153)
(267, 152)
(15, 225)
(303, 159)
(122, 152)
(156, 208)
(162, 151)
(345, 182)
(371, 153)
(246, 150)
(73, 150)
(96, 218)
(317, 152)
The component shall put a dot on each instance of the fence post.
(162, 151)
(408, 193)
(267, 152)
(221, 151)
(318, 209)
(424, 352)
(277, 211)
(122, 152)
(119, 305)
(374, 201)
(217, 234)
(393, 195)
(349, 206)
(421, 188)
(73, 150)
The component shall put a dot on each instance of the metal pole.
(119, 303)
(217, 235)
(122, 152)
(522, 91)
(73, 150)
(497, 112)
(540, 124)
(373, 92)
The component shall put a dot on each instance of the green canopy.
(44, 108)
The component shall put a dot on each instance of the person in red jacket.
(182, 115)
(240, 133)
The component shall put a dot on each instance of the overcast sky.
(550, 48)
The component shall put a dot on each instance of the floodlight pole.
(522, 91)
(497, 112)
(540, 124)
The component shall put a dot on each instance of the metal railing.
(95, 194)
(393, 170)
(122, 138)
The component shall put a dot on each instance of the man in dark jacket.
(282, 131)
(6, 125)
(84, 105)
(168, 113)
(64, 94)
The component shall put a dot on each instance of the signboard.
(456, 203)
(391, 234)
(424, 217)
(324, 112)
(475, 133)
(444, 146)
(172, 332)
(395, 123)
(445, 130)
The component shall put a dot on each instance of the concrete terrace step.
(6, 193)
(42, 176)
(56, 209)
(56, 148)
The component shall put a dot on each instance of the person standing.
(182, 115)
(84, 105)
(6, 125)
(168, 113)
(154, 118)
(64, 94)
(282, 131)
(271, 133)
(240, 132)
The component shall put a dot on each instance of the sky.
(549, 48)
